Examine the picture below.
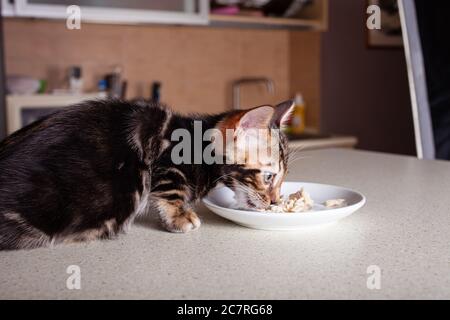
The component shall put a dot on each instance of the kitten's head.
(256, 152)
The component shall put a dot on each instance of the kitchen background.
(350, 89)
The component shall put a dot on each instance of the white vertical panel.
(423, 129)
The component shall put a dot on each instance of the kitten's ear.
(282, 113)
(256, 118)
(245, 125)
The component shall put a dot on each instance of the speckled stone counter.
(404, 229)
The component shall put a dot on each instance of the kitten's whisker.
(250, 192)
(292, 160)
(295, 150)
(255, 199)
(223, 176)
(294, 154)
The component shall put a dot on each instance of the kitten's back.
(71, 173)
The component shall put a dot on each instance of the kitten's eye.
(268, 177)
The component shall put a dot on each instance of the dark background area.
(364, 91)
(434, 32)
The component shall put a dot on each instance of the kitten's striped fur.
(86, 172)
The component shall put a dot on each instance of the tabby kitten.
(87, 171)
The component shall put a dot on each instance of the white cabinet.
(118, 11)
(21, 110)
(7, 8)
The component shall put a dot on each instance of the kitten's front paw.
(186, 222)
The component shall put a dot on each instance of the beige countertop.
(404, 229)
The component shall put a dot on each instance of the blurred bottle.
(114, 83)
(75, 80)
(156, 92)
(298, 119)
(102, 85)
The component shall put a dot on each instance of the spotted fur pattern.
(87, 171)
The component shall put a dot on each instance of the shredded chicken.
(301, 201)
(335, 203)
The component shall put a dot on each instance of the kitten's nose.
(274, 198)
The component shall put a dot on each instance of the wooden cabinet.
(313, 16)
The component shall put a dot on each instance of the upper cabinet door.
(119, 11)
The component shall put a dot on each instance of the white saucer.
(221, 201)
